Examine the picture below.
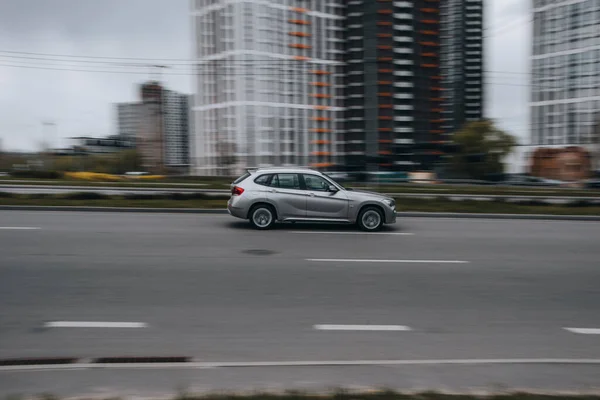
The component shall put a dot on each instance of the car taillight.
(237, 191)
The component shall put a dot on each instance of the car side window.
(286, 181)
(314, 182)
(263, 180)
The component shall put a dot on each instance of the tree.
(481, 148)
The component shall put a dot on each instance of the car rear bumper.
(237, 212)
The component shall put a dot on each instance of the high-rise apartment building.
(159, 127)
(462, 57)
(270, 84)
(176, 115)
(565, 88)
(414, 75)
(393, 84)
(128, 120)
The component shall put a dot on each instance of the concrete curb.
(542, 217)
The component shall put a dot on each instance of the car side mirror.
(333, 189)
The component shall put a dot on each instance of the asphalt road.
(211, 288)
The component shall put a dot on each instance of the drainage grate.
(140, 360)
(37, 361)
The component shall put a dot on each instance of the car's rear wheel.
(370, 219)
(262, 217)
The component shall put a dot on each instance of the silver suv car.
(267, 195)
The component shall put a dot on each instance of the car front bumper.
(390, 216)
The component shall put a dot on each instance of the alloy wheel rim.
(371, 219)
(262, 217)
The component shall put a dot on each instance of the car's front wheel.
(370, 219)
(262, 217)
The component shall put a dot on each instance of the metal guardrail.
(225, 193)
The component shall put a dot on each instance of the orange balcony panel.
(436, 88)
(322, 107)
(299, 9)
(385, 141)
(320, 72)
(429, 65)
(299, 46)
(426, 32)
(385, 23)
(436, 110)
(436, 131)
(385, 59)
(322, 165)
(429, 44)
(299, 21)
(436, 121)
(320, 96)
(430, 10)
(385, 82)
(384, 94)
(430, 21)
(320, 130)
(384, 129)
(321, 142)
(436, 78)
(386, 106)
(385, 153)
(385, 71)
(384, 47)
(320, 84)
(384, 35)
(429, 55)
(320, 119)
(385, 118)
(436, 99)
(301, 58)
(321, 153)
(299, 34)
(386, 165)
(385, 11)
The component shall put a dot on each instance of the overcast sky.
(81, 103)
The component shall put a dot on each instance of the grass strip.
(201, 200)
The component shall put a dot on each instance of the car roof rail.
(294, 167)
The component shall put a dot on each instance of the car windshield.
(335, 181)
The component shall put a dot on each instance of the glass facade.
(565, 93)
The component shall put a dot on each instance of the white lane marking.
(584, 331)
(324, 363)
(94, 324)
(19, 228)
(387, 261)
(330, 327)
(352, 233)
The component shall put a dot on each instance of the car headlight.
(391, 203)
